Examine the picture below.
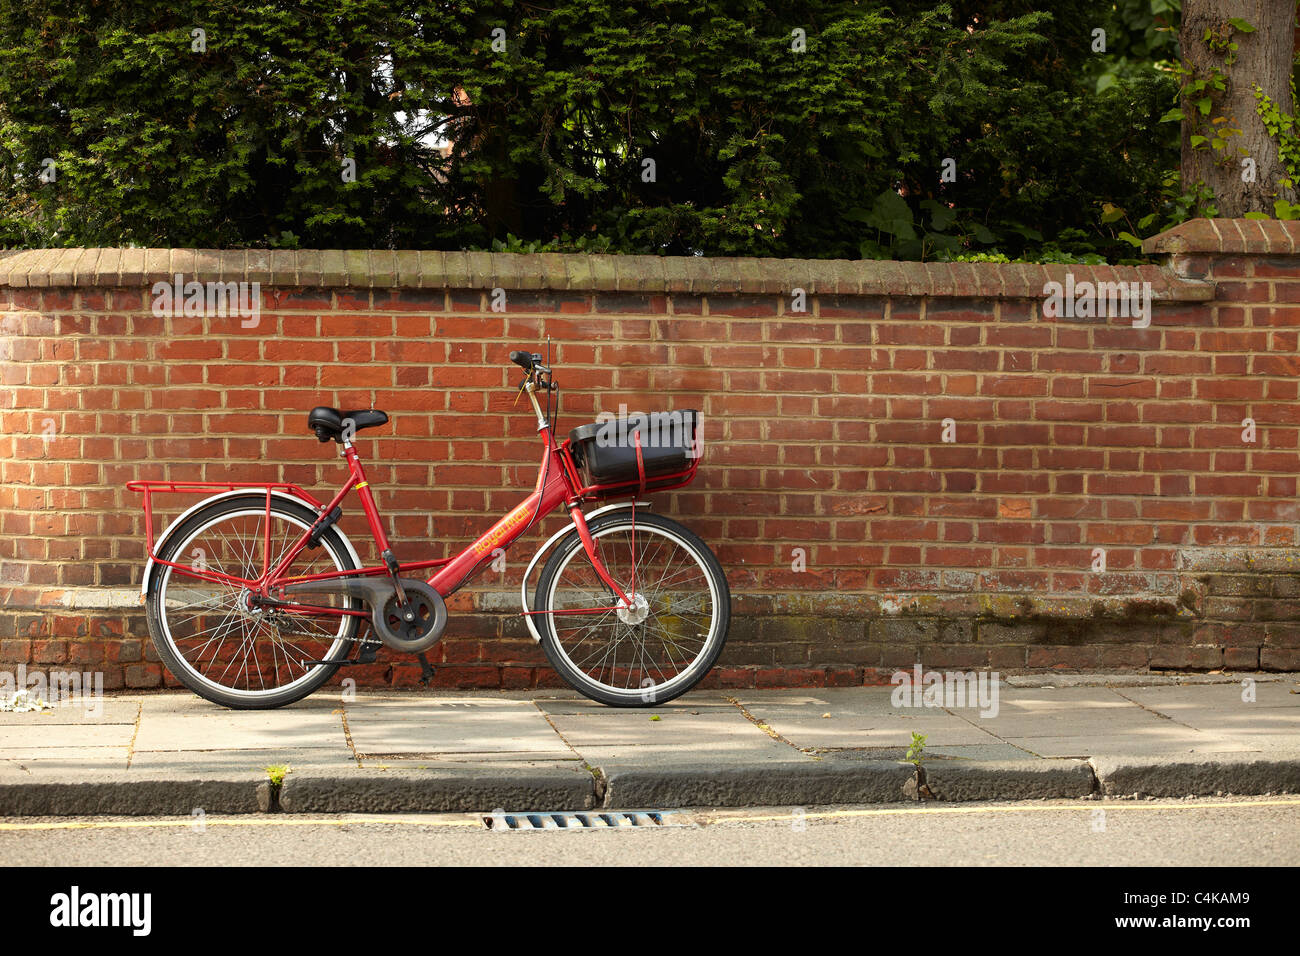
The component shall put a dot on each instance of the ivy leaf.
(1285, 210)
(1131, 239)
(1241, 25)
(1203, 104)
(1175, 115)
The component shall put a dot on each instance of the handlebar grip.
(523, 359)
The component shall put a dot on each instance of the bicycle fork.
(589, 545)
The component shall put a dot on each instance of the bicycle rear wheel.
(661, 645)
(219, 644)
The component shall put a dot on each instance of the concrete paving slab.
(1151, 744)
(1171, 699)
(164, 728)
(552, 693)
(760, 749)
(1084, 725)
(187, 704)
(860, 717)
(496, 758)
(838, 701)
(185, 763)
(461, 724)
(1262, 743)
(36, 735)
(104, 711)
(1264, 722)
(701, 701)
(1085, 711)
(492, 762)
(894, 731)
(642, 727)
(1135, 680)
(993, 751)
(1047, 700)
(67, 762)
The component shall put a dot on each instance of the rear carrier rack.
(637, 453)
(259, 489)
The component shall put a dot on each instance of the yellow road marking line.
(905, 811)
(194, 823)
(474, 820)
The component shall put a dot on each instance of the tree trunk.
(1263, 57)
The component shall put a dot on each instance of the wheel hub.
(245, 604)
(633, 613)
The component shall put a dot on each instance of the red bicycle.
(255, 597)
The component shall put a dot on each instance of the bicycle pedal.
(368, 654)
(426, 670)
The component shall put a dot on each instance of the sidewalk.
(1059, 736)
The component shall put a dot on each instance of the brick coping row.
(1228, 237)
(564, 272)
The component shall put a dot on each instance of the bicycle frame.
(558, 483)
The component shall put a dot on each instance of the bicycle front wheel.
(656, 648)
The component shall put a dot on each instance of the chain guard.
(386, 617)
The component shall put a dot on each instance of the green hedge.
(758, 149)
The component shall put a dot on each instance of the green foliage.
(1139, 33)
(836, 151)
(916, 749)
(564, 243)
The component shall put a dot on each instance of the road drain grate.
(583, 821)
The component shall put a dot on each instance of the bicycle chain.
(363, 641)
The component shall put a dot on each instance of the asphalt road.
(1251, 831)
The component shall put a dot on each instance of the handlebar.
(538, 373)
(537, 379)
(525, 360)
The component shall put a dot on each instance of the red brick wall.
(823, 431)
